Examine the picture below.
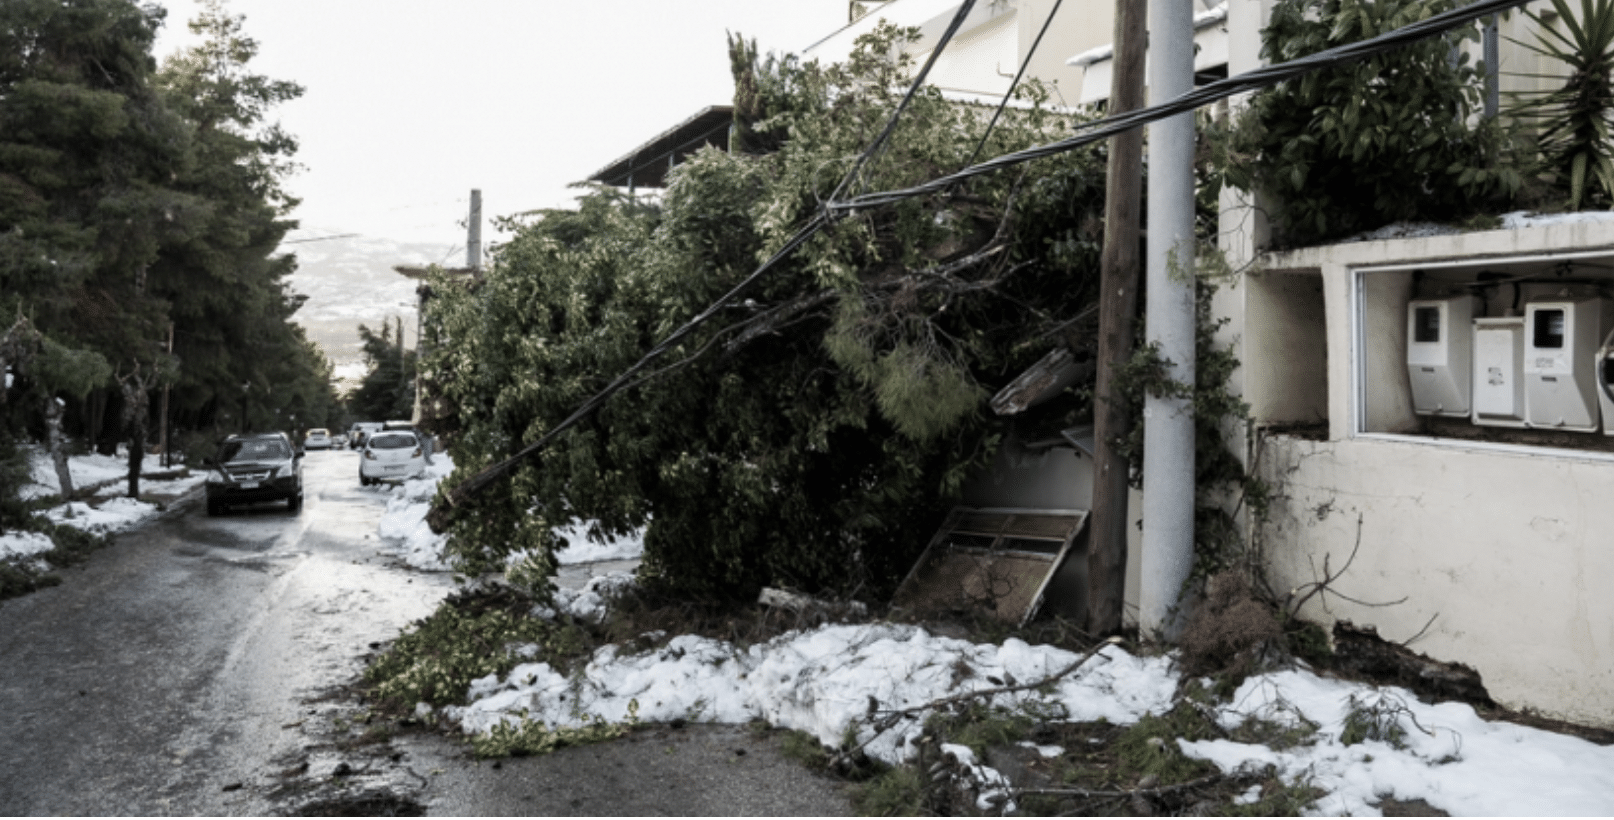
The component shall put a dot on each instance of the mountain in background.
(349, 281)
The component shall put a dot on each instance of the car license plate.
(395, 468)
(249, 485)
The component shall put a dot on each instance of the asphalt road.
(197, 667)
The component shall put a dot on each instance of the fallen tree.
(809, 436)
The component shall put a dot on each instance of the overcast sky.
(410, 104)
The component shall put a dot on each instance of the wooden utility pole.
(1118, 304)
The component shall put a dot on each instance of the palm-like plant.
(1575, 119)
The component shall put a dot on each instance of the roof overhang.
(647, 165)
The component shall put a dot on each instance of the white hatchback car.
(391, 456)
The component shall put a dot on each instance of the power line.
(1204, 95)
(1090, 133)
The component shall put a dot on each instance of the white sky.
(410, 104)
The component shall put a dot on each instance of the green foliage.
(134, 201)
(59, 369)
(388, 388)
(1220, 480)
(1386, 138)
(811, 437)
(1150, 745)
(531, 737)
(895, 792)
(460, 642)
(803, 748)
(1573, 120)
(1376, 717)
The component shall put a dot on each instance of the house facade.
(1461, 489)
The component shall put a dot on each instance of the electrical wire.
(964, 9)
(1090, 132)
(474, 484)
(1024, 64)
(1204, 95)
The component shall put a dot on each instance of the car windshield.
(317, 431)
(392, 441)
(268, 449)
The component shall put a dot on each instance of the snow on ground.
(581, 549)
(92, 468)
(1528, 219)
(824, 682)
(820, 681)
(106, 514)
(23, 544)
(403, 524)
(1449, 756)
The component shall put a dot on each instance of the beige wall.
(1509, 548)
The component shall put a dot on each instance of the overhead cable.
(1204, 95)
(1088, 133)
(1024, 64)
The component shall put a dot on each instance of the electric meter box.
(1604, 368)
(1440, 355)
(1499, 372)
(1561, 338)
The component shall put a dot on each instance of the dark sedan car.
(255, 467)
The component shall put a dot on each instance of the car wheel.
(295, 504)
(364, 481)
(215, 509)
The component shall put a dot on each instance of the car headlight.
(215, 477)
(369, 454)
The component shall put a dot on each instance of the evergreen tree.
(388, 388)
(813, 436)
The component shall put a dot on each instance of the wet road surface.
(196, 666)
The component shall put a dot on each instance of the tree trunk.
(1118, 304)
(54, 440)
(134, 417)
(111, 432)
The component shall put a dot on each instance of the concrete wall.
(1509, 548)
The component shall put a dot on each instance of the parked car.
(393, 456)
(255, 467)
(360, 431)
(318, 438)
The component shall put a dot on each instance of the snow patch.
(24, 544)
(1448, 755)
(403, 527)
(820, 681)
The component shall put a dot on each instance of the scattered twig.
(1153, 791)
(1431, 622)
(888, 718)
(1325, 586)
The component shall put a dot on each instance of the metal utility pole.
(1118, 304)
(1168, 424)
